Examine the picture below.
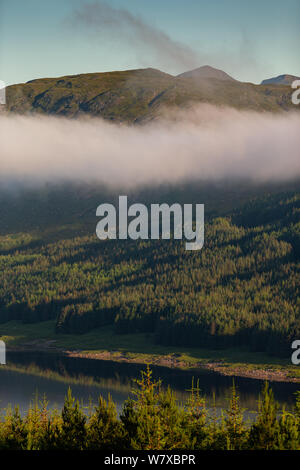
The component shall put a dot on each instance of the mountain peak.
(206, 71)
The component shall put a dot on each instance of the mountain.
(241, 291)
(207, 72)
(141, 95)
(280, 80)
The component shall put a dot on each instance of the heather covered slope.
(139, 95)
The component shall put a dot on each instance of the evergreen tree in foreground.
(152, 420)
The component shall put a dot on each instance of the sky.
(250, 40)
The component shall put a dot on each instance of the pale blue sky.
(250, 40)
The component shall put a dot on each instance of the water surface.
(27, 374)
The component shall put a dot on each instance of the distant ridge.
(206, 71)
(280, 80)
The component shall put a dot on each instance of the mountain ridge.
(135, 96)
(284, 79)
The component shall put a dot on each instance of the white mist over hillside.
(204, 142)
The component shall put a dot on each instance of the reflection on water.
(29, 373)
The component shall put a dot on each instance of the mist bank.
(202, 143)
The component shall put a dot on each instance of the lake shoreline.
(174, 361)
(218, 367)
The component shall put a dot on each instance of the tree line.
(152, 419)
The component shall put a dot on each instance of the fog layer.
(203, 143)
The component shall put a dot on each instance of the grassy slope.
(105, 344)
(138, 95)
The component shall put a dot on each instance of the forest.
(152, 419)
(240, 290)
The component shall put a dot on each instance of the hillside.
(280, 80)
(139, 95)
(241, 290)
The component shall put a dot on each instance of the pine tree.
(196, 418)
(264, 433)
(236, 432)
(153, 419)
(288, 432)
(73, 431)
(104, 429)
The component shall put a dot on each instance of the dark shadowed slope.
(280, 80)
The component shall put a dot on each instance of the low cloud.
(202, 143)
